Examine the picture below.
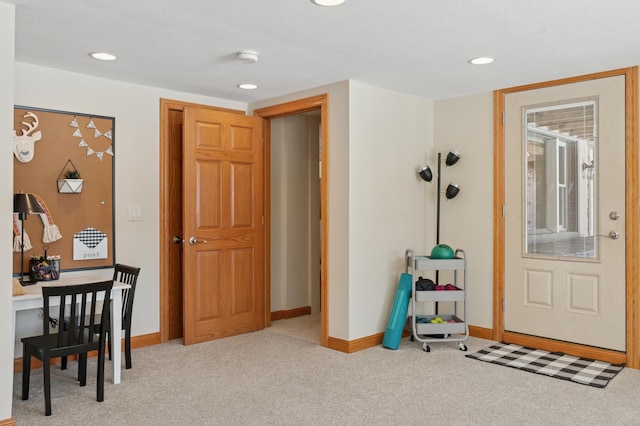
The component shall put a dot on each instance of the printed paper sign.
(90, 244)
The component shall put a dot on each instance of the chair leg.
(63, 363)
(46, 365)
(100, 380)
(82, 369)
(127, 348)
(26, 372)
(108, 342)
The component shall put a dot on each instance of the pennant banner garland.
(96, 134)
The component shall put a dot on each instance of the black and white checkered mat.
(561, 366)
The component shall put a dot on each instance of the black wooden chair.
(128, 275)
(77, 305)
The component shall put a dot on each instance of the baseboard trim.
(136, 342)
(143, 340)
(481, 332)
(351, 346)
(7, 422)
(290, 313)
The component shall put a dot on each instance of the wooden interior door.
(223, 225)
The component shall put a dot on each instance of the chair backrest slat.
(127, 275)
(77, 303)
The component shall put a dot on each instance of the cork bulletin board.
(78, 224)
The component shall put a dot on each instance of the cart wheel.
(463, 347)
(426, 347)
(412, 338)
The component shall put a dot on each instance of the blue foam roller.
(398, 315)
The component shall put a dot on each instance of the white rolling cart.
(426, 328)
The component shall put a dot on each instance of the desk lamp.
(24, 205)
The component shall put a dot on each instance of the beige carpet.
(269, 378)
(305, 327)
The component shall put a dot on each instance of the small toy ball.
(442, 251)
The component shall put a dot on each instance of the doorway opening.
(171, 272)
(295, 225)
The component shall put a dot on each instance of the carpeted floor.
(269, 378)
(305, 327)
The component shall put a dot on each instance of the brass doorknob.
(194, 240)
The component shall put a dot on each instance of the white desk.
(32, 299)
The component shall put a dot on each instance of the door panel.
(564, 278)
(241, 276)
(209, 290)
(209, 195)
(223, 278)
(242, 216)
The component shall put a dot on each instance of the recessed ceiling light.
(103, 56)
(481, 61)
(248, 86)
(328, 2)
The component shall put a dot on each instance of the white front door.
(564, 212)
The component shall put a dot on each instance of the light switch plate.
(135, 213)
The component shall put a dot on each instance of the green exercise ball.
(442, 251)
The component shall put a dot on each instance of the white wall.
(389, 134)
(466, 124)
(7, 41)
(295, 227)
(278, 218)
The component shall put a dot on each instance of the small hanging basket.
(69, 181)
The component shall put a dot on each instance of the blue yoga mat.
(398, 315)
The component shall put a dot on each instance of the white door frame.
(632, 209)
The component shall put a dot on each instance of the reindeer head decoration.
(24, 145)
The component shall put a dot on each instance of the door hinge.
(263, 220)
(503, 304)
(504, 211)
(504, 119)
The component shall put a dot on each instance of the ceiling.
(419, 47)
